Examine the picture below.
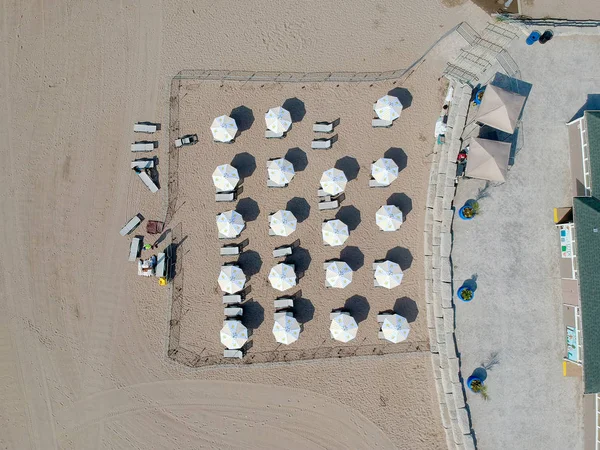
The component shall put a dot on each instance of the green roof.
(586, 216)
(593, 133)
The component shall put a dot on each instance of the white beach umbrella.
(388, 274)
(282, 277)
(286, 330)
(388, 218)
(343, 328)
(231, 279)
(230, 224)
(224, 129)
(333, 181)
(338, 274)
(335, 232)
(281, 171)
(384, 170)
(395, 328)
(388, 107)
(226, 177)
(233, 334)
(283, 223)
(278, 119)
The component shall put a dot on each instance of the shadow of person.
(296, 108)
(403, 95)
(243, 116)
(298, 158)
(401, 256)
(407, 308)
(349, 166)
(358, 307)
(248, 208)
(245, 164)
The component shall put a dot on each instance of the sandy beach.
(83, 348)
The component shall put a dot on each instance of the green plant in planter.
(479, 388)
(466, 294)
(472, 210)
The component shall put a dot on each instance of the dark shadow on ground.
(591, 104)
(304, 310)
(245, 164)
(403, 95)
(407, 308)
(254, 314)
(480, 373)
(398, 156)
(471, 283)
(298, 158)
(248, 208)
(349, 166)
(401, 256)
(299, 207)
(402, 201)
(353, 257)
(350, 216)
(296, 108)
(250, 262)
(243, 116)
(358, 307)
(300, 258)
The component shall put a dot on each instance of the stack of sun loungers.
(327, 201)
(324, 143)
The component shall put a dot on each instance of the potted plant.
(465, 293)
(476, 385)
(468, 211)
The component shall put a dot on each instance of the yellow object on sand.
(162, 281)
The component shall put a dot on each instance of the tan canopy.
(500, 109)
(487, 160)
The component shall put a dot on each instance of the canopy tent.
(388, 107)
(233, 334)
(231, 279)
(278, 120)
(500, 108)
(343, 328)
(281, 171)
(283, 223)
(388, 274)
(338, 274)
(487, 160)
(335, 232)
(333, 181)
(395, 328)
(388, 218)
(230, 224)
(384, 170)
(224, 129)
(286, 329)
(226, 177)
(282, 277)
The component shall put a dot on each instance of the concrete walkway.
(515, 318)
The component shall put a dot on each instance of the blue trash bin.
(533, 38)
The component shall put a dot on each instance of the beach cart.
(154, 227)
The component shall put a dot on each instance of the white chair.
(283, 303)
(272, 135)
(159, 270)
(131, 225)
(144, 127)
(232, 299)
(328, 205)
(380, 335)
(380, 123)
(322, 144)
(375, 183)
(147, 180)
(142, 164)
(231, 312)
(271, 183)
(230, 250)
(134, 250)
(323, 127)
(224, 196)
(233, 353)
(282, 251)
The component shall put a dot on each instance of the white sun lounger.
(142, 164)
(272, 135)
(328, 205)
(159, 270)
(233, 353)
(375, 183)
(271, 183)
(144, 127)
(277, 315)
(143, 146)
(334, 314)
(230, 250)
(381, 317)
(130, 226)
(380, 123)
(147, 181)
(376, 283)
(322, 193)
(283, 303)
(380, 335)
(233, 311)
(282, 251)
(134, 250)
(224, 196)
(232, 299)
(323, 143)
(323, 127)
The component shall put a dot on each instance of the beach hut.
(282, 277)
(388, 218)
(224, 129)
(230, 224)
(384, 171)
(395, 328)
(335, 232)
(225, 178)
(333, 181)
(343, 328)
(500, 109)
(338, 274)
(231, 279)
(388, 107)
(281, 171)
(233, 334)
(286, 329)
(487, 159)
(283, 223)
(388, 274)
(278, 120)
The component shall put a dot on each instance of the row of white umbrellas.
(283, 223)
(232, 278)
(279, 120)
(388, 274)
(286, 330)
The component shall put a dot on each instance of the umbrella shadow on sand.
(402, 201)
(299, 207)
(401, 256)
(403, 95)
(296, 108)
(248, 208)
(245, 164)
(298, 158)
(254, 314)
(349, 166)
(407, 308)
(398, 156)
(358, 307)
(243, 116)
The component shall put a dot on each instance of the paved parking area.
(515, 319)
